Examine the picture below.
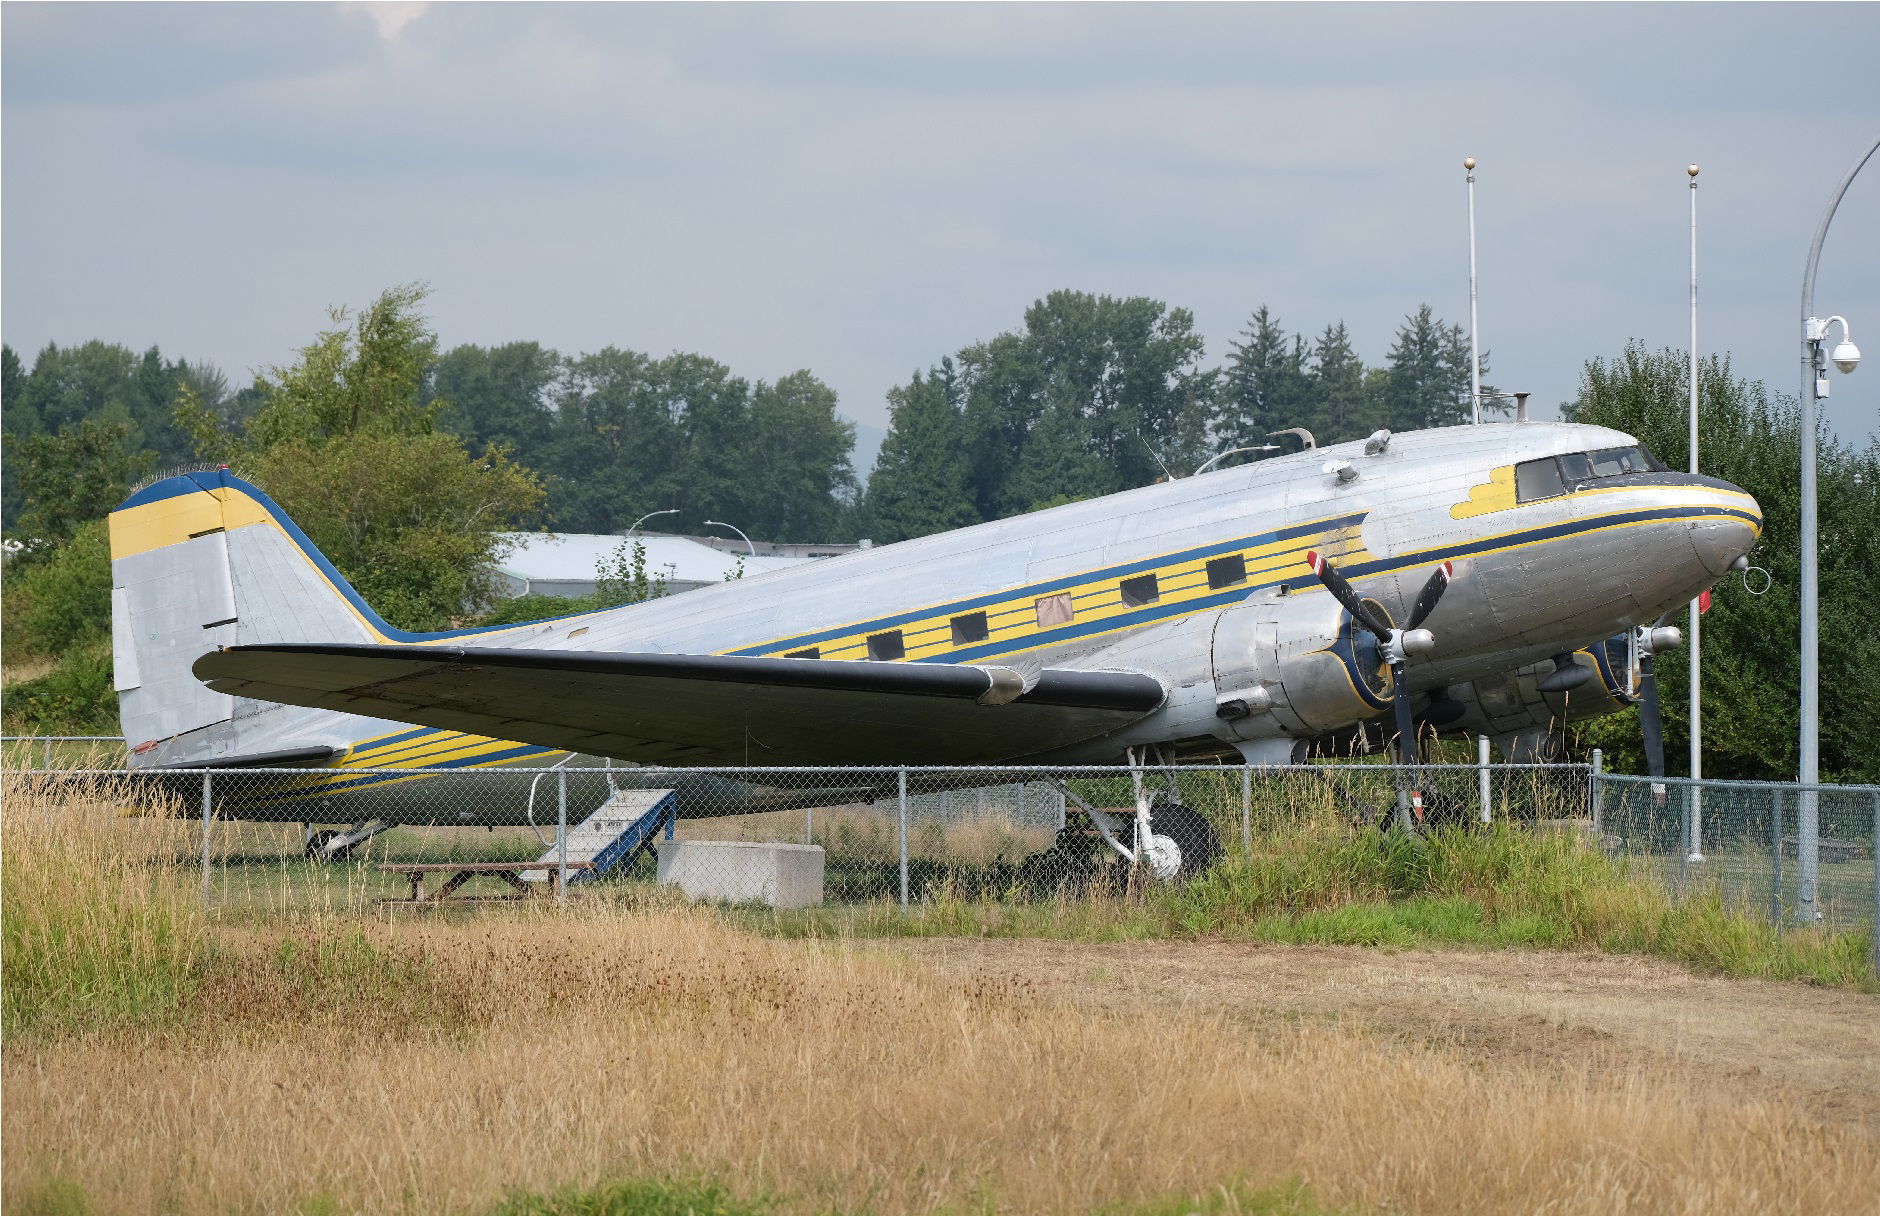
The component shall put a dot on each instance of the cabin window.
(970, 628)
(1055, 610)
(1227, 571)
(1139, 591)
(808, 652)
(887, 646)
(1537, 479)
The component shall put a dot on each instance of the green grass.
(634, 1198)
(691, 1198)
(1321, 883)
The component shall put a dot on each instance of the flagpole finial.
(1468, 162)
(1692, 170)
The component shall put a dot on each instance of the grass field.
(1181, 1052)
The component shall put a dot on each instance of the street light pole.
(1814, 384)
(642, 519)
(719, 523)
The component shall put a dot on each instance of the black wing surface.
(697, 709)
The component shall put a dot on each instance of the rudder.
(205, 560)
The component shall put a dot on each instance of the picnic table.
(462, 872)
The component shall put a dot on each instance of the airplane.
(1500, 578)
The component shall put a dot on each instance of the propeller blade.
(1432, 592)
(1407, 748)
(1342, 591)
(1651, 724)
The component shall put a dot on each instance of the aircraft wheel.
(1182, 843)
(316, 847)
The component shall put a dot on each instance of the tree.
(1751, 655)
(1428, 382)
(344, 442)
(796, 476)
(1266, 387)
(500, 394)
(922, 481)
(1101, 387)
(1344, 408)
(126, 399)
(74, 476)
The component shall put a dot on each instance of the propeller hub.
(1418, 641)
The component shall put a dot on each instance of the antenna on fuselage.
(1305, 436)
(1166, 471)
(1475, 360)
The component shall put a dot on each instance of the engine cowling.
(1295, 665)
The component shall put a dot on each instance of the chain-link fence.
(290, 838)
(287, 838)
(1804, 853)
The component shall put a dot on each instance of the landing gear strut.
(328, 845)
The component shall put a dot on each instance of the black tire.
(1199, 843)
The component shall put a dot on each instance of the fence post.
(1775, 858)
(1597, 795)
(561, 833)
(1876, 884)
(207, 810)
(1808, 855)
(1481, 776)
(48, 751)
(1246, 808)
(903, 840)
(809, 825)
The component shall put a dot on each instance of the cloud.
(863, 189)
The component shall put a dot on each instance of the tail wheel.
(1182, 843)
(316, 847)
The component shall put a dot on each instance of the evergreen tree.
(1344, 410)
(1266, 386)
(1428, 385)
(922, 482)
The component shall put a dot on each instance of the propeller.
(1396, 644)
(1650, 721)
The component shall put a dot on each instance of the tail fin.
(200, 561)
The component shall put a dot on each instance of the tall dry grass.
(157, 1063)
(566, 1050)
(100, 926)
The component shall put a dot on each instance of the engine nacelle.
(1295, 665)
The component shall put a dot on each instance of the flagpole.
(1695, 851)
(1475, 362)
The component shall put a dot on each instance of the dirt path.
(1816, 1047)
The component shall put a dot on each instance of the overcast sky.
(861, 189)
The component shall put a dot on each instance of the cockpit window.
(1537, 479)
(1616, 462)
(1553, 476)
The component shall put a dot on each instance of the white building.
(568, 564)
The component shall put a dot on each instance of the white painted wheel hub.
(1164, 857)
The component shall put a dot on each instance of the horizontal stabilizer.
(697, 709)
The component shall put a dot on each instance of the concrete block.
(781, 875)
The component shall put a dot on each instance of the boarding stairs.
(617, 832)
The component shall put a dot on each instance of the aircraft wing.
(697, 709)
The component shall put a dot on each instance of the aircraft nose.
(1728, 529)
